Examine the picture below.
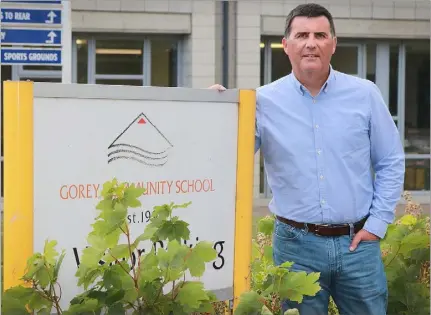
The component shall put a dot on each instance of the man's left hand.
(362, 235)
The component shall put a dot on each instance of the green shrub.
(123, 283)
(406, 256)
(117, 285)
(270, 283)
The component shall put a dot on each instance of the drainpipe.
(225, 42)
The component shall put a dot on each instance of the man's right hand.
(218, 87)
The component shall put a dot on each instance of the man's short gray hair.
(308, 10)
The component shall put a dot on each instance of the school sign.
(63, 141)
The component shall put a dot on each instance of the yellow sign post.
(18, 180)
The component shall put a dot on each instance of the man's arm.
(388, 161)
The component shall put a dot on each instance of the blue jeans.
(355, 280)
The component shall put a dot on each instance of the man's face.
(310, 45)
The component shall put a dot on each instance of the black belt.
(326, 229)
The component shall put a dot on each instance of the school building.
(196, 43)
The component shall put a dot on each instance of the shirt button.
(321, 176)
(323, 202)
(319, 151)
(317, 126)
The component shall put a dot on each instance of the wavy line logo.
(141, 142)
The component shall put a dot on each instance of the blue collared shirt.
(333, 158)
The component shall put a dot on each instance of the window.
(280, 63)
(371, 62)
(393, 79)
(262, 64)
(119, 82)
(82, 60)
(164, 63)
(41, 68)
(417, 175)
(119, 57)
(37, 73)
(417, 115)
(130, 61)
(36, 79)
(346, 59)
(417, 98)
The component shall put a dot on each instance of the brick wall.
(248, 58)
(200, 46)
(175, 6)
(247, 44)
(376, 9)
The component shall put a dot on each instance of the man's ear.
(334, 45)
(285, 47)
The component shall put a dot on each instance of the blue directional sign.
(30, 37)
(30, 16)
(14, 56)
(39, 24)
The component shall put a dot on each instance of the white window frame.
(92, 76)
(19, 72)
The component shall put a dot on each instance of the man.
(335, 165)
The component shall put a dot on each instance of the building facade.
(196, 43)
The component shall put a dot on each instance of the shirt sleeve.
(257, 134)
(388, 162)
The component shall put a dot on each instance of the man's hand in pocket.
(362, 235)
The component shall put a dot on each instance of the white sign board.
(179, 144)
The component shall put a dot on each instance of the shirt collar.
(302, 89)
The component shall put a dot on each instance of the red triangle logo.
(142, 121)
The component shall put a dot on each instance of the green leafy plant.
(117, 277)
(41, 292)
(270, 284)
(406, 256)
